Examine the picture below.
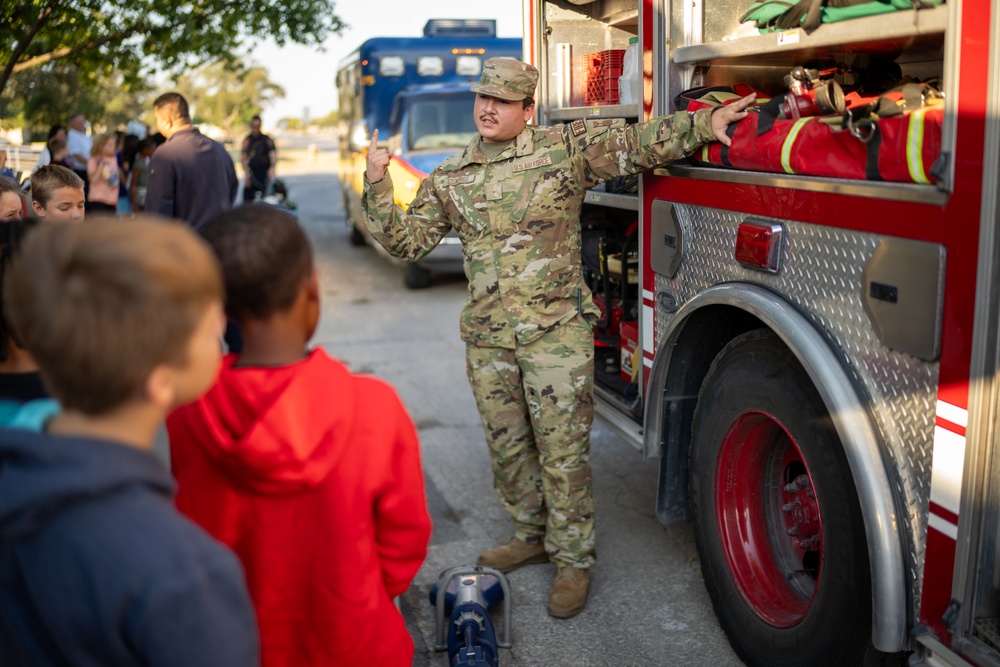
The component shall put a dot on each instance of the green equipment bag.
(778, 15)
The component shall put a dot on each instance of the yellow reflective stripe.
(704, 152)
(786, 148)
(915, 147)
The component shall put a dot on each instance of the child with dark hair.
(59, 152)
(97, 567)
(309, 472)
(47, 156)
(20, 380)
(139, 182)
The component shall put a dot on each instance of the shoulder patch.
(578, 127)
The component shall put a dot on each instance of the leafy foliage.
(51, 93)
(109, 38)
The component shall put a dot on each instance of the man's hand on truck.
(378, 159)
(723, 116)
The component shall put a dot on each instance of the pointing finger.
(745, 102)
(374, 146)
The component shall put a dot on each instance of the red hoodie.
(312, 476)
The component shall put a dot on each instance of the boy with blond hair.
(57, 194)
(309, 472)
(96, 566)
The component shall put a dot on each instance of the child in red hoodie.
(311, 474)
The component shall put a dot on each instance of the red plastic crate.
(601, 70)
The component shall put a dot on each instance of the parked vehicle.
(810, 348)
(375, 80)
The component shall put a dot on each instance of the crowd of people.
(299, 511)
(114, 166)
(300, 508)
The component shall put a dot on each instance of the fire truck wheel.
(416, 277)
(777, 519)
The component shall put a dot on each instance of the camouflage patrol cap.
(507, 79)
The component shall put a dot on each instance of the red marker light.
(760, 245)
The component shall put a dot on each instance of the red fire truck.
(812, 356)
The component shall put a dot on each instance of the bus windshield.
(441, 121)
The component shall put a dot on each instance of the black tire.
(357, 238)
(416, 277)
(762, 441)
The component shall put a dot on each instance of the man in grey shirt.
(191, 177)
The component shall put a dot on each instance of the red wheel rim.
(768, 519)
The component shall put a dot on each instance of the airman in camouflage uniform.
(514, 197)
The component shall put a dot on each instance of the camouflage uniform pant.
(537, 406)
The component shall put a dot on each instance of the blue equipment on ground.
(468, 593)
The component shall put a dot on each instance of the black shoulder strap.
(757, 5)
(810, 9)
(769, 113)
(730, 132)
(872, 172)
(685, 97)
(846, 3)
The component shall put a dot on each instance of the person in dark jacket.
(191, 177)
(259, 159)
(20, 380)
(96, 566)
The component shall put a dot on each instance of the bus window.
(468, 65)
(391, 66)
(430, 66)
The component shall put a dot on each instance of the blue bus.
(374, 84)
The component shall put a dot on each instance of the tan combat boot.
(569, 592)
(513, 555)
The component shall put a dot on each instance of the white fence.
(20, 159)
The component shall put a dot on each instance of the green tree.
(228, 94)
(49, 94)
(127, 39)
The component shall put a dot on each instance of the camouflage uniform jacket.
(518, 216)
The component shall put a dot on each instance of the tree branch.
(93, 44)
(69, 51)
(22, 44)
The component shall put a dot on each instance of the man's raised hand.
(377, 160)
(723, 116)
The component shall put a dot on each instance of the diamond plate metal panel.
(988, 629)
(822, 275)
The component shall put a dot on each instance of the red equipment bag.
(890, 138)
(712, 96)
(903, 148)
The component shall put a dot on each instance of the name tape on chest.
(531, 164)
(461, 180)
